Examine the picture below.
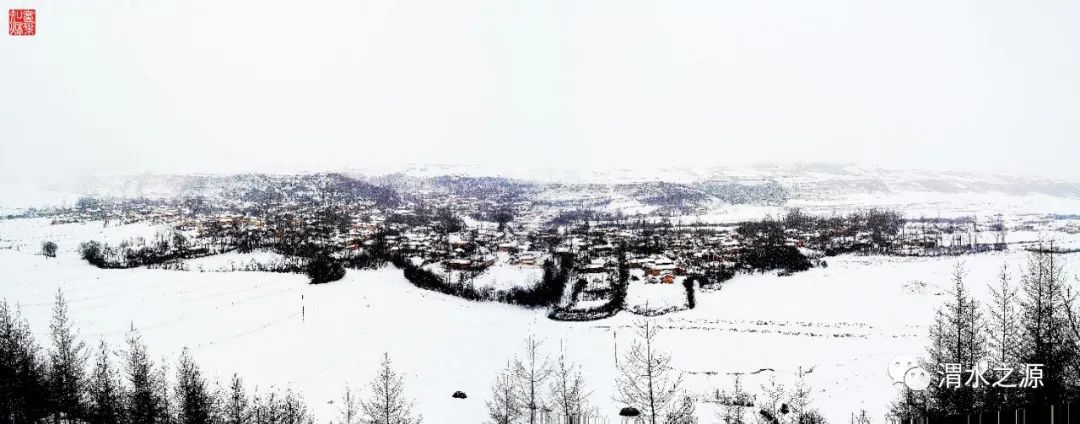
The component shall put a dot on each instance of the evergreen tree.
(911, 405)
(800, 403)
(23, 389)
(161, 389)
(195, 404)
(1004, 331)
(268, 408)
(958, 338)
(1004, 325)
(237, 406)
(387, 404)
(66, 366)
(1047, 340)
(294, 410)
(106, 396)
(772, 403)
(349, 412)
(734, 409)
(144, 402)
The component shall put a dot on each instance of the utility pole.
(615, 343)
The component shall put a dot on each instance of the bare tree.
(568, 393)
(860, 418)
(648, 382)
(387, 404)
(530, 374)
(503, 408)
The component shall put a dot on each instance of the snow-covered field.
(845, 322)
(651, 299)
(232, 261)
(501, 277)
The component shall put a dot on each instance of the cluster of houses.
(654, 252)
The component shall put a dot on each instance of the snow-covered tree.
(1047, 339)
(531, 372)
(735, 402)
(161, 388)
(348, 412)
(503, 407)
(106, 404)
(195, 404)
(267, 408)
(569, 397)
(648, 382)
(1004, 331)
(236, 407)
(1004, 324)
(958, 337)
(22, 373)
(861, 417)
(145, 401)
(801, 402)
(66, 365)
(387, 404)
(773, 407)
(294, 410)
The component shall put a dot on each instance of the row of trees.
(778, 404)
(535, 388)
(139, 252)
(1033, 321)
(71, 383)
(546, 292)
(532, 388)
(67, 383)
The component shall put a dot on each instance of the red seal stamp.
(22, 22)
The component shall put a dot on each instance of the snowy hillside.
(682, 191)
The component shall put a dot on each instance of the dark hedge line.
(546, 293)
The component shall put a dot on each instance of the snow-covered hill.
(678, 190)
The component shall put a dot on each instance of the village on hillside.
(485, 241)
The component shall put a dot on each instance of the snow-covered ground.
(16, 197)
(28, 234)
(501, 276)
(846, 322)
(652, 299)
(232, 261)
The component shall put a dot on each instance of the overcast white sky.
(212, 86)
